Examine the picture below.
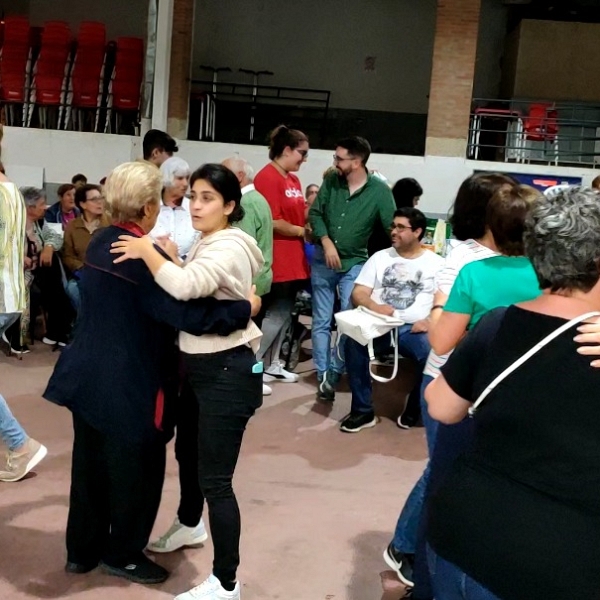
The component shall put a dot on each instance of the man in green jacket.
(350, 202)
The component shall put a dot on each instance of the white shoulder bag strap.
(528, 355)
(394, 334)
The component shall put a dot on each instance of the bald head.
(241, 168)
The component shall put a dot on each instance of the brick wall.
(181, 57)
(454, 54)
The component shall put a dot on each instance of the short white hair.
(237, 164)
(174, 167)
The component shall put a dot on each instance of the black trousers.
(55, 300)
(227, 394)
(116, 488)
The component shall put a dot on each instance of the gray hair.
(32, 195)
(237, 163)
(562, 239)
(174, 167)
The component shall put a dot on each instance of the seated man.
(398, 281)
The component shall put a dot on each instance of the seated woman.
(224, 381)
(121, 427)
(78, 233)
(517, 517)
(64, 211)
(44, 272)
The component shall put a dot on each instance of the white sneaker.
(267, 391)
(179, 536)
(276, 372)
(211, 589)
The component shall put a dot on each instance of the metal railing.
(216, 109)
(539, 131)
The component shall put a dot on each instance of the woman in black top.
(518, 515)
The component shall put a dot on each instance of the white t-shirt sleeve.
(368, 274)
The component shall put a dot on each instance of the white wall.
(62, 154)
(121, 18)
(323, 45)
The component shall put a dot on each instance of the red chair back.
(13, 59)
(541, 124)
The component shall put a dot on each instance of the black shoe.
(401, 563)
(143, 570)
(406, 421)
(327, 385)
(353, 423)
(79, 568)
(16, 348)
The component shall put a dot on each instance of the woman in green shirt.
(497, 281)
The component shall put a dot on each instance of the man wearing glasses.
(349, 203)
(399, 282)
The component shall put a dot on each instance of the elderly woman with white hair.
(517, 516)
(174, 220)
(127, 332)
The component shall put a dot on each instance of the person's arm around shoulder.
(454, 319)
(199, 316)
(588, 336)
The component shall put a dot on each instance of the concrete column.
(181, 68)
(160, 97)
(454, 55)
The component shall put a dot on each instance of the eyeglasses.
(302, 153)
(339, 159)
(400, 228)
(96, 199)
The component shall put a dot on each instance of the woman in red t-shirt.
(288, 150)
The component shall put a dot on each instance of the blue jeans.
(11, 432)
(410, 345)
(325, 283)
(72, 289)
(405, 537)
(450, 583)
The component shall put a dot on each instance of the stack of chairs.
(86, 88)
(50, 75)
(125, 91)
(15, 64)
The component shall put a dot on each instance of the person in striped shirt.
(473, 242)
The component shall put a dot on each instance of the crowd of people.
(188, 281)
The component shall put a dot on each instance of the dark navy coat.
(123, 361)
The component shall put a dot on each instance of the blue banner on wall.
(543, 182)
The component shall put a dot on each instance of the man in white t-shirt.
(399, 281)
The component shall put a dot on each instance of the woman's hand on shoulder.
(130, 247)
(169, 247)
(589, 338)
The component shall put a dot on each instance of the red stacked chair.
(14, 58)
(541, 125)
(87, 79)
(126, 85)
(52, 69)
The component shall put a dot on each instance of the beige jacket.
(221, 265)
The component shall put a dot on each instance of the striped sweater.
(460, 255)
